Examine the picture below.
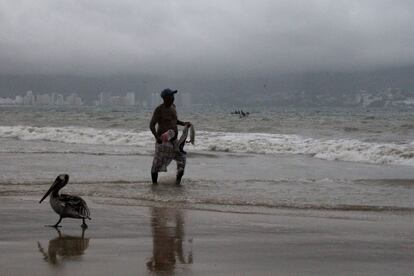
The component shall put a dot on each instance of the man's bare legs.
(180, 174)
(154, 176)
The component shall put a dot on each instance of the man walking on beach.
(166, 147)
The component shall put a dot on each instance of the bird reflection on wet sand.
(64, 247)
(168, 240)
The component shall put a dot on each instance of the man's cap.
(168, 92)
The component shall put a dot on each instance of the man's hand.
(187, 124)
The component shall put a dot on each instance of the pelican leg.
(56, 225)
(84, 225)
(83, 232)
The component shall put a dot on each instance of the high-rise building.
(117, 100)
(73, 99)
(130, 98)
(43, 99)
(104, 98)
(155, 99)
(59, 99)
(19, 100)
(29, 99)
(53, 98)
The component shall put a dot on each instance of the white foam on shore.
(259, 143)
(328, 149)
(78, 135)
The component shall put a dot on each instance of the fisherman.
(166, 145)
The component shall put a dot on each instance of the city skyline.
(103, 99)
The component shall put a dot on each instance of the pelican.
(66, 206)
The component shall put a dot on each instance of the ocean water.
(323, 159)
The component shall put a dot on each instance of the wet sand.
(136, 240)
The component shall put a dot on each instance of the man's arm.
(181, 123)
(153, 122)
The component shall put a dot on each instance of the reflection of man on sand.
(65, 247)
(168, 234)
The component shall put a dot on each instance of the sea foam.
(257, 143)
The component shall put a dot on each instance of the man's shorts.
(164, 154)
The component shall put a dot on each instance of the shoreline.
(131, 240)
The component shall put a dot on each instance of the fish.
(192, 134)
(183, 139)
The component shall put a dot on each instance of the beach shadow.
(64, 247)
(167, 226)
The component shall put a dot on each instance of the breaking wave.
(258, 143)
(78, 135)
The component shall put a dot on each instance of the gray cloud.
(211, 37)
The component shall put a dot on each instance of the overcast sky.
(212, 37)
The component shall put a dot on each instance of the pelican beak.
(50, 190)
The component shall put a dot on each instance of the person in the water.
(165, 118)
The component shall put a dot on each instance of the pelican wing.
(74, 206)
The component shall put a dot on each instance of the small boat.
(66, 206)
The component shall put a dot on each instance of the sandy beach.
(134, 240)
